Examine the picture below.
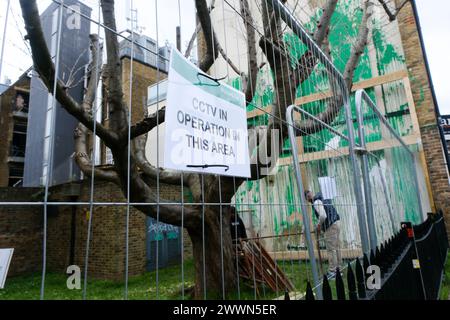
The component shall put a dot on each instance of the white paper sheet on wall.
(328, 187)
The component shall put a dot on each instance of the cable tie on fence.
(216, 80)
(205, 166)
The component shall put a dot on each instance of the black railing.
(411, 266)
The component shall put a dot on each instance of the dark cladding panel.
(74, 53)
(35, 133)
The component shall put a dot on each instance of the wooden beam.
(339, 152)
(380, 80)
(416, 130)
(21, 89)
(303, 254)
(411, 105)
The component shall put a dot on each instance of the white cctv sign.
(206, 123)
(5, 260)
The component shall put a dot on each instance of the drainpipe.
(430, 80)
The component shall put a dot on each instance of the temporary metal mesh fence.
(347, 151)
(393, 186)
(406, 271)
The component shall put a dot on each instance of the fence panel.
(389, 170)
(94, 191)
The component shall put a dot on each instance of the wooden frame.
(412, 139)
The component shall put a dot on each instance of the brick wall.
(144, 76)
(22, 228)
(420, 87)
(6, 124)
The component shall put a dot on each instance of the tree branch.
(209, 35)
(128, 168)
(81, 135)
(165, 176)
(117, 110)
(334, 105)
(251, 49)
(324, 23)
(392, 15)
(190, 46)
(198, 28)
(227, 59)
(360, 44)
(145, 125)
(307, 61)
(46, 70)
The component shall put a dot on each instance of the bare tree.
(219, 251)
(393, 13)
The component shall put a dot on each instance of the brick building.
(427, 110)
(21, 227)
(14, 108)
(445, 123)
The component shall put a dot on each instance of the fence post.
(360, 279)
(362, 152)
(335, 75)
(362, 95)
(352, 295)
(417, 272)
(326, 289)
(309, 293)
(301, 190)
(340, 288)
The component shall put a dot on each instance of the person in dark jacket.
(237, 226)
(329, 223)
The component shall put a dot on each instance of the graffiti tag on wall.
(157, 231)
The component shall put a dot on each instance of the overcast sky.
(434, 18)
(433, 15)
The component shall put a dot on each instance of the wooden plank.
(303, 255)
(380, 80)
(424, 164)
(416, 129)
(21, 89)
(256, 264)
(411, 105)
(287, 283)
(335, 153)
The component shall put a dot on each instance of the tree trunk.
(219, 269)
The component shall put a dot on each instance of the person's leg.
(302, 237)
(338, 244)
(330, 241)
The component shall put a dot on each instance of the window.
(21, 102)
(109, 157)
(19, 139)
(15, 174)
